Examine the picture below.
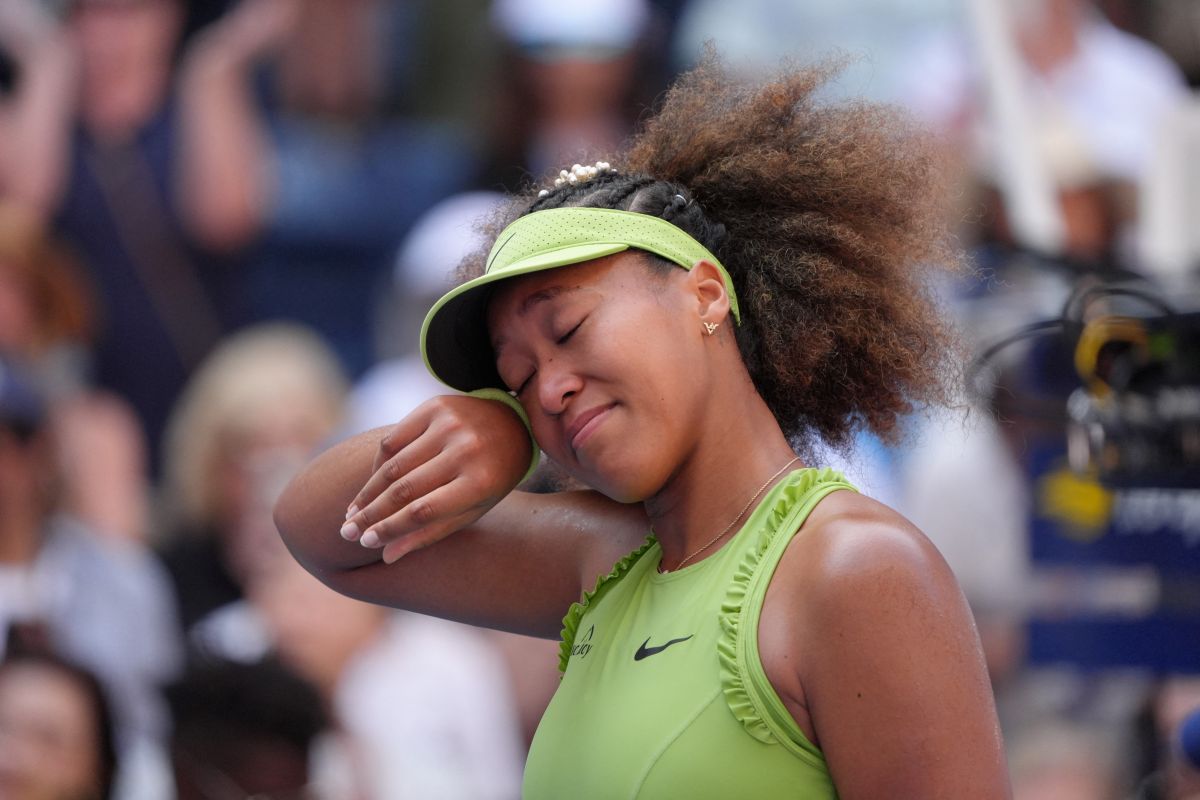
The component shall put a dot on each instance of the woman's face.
(48, 743)
(115, 36)
(608, 360)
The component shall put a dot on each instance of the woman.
(56, 735)
(746, 282)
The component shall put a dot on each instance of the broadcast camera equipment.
(1135, 420)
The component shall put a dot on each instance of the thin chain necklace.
(732, 522)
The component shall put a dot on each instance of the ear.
(708, 287)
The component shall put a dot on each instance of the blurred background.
(221, 222)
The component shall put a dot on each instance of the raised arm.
(442, 483)
(225, 158)
(36, 121)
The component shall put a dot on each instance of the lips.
(585, 424)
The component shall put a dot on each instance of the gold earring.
(711, 327)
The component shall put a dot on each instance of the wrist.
(507, 399)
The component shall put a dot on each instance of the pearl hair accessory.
(578, 174)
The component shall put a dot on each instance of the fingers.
(403, 479)
(438, 470)
(394, 551)
(394, 473)
(426, 520)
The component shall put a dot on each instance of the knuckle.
(392, 472)
(365, 518)
(423, 512)
(452, 424)
(401, 492)
(385, 530)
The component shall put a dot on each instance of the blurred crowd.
(221, 222)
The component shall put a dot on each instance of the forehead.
(519, 296)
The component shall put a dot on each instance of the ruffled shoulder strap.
(743, 681)
(575, 612)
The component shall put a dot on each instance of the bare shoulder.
(870, 643)
(861, 581)
(851, 542)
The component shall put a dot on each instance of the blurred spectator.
(45, 325)
(78, 591)
(575, 76)
(243, 731)
(288, 150)
(875, 37)
(1061, 761)
(247, 420)
(1172, 771)
(45, 312)
(422, 704)
(1110, 87)
(1094, 96)
(1173, 25)
(89, 140)
(56, 736)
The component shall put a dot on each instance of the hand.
(440, 469)
(251, 30)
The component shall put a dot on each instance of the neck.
(712, 487)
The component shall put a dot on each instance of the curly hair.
(829, 219)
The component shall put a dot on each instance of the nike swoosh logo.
(646, 652)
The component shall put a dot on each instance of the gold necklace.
(733, 522)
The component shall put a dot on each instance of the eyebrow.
(540, 296)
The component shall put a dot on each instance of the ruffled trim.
(733, 681)
(575, 612)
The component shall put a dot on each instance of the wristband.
(507, 399)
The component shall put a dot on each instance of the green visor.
(454, 337)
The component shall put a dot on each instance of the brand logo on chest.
(583, 646)
(645, 651)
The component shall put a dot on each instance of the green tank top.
(663, 694)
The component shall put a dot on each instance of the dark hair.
(104, 728)
(829, 219)
(218, 706)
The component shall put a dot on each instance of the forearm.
(437, 488)
(313, 506)
(468, 576)
(225, 154)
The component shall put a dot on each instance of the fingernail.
(369, 539)
(349, 531)
(351, 511)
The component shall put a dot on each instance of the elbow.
(285, 516)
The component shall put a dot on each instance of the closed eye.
(561, 340)
(567, 336)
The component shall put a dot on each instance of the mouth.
(584, 425)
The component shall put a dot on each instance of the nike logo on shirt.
(646, 652)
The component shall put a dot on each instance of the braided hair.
(829, 220)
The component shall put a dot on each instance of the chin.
(623, 482)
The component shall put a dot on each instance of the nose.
(557, 384)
